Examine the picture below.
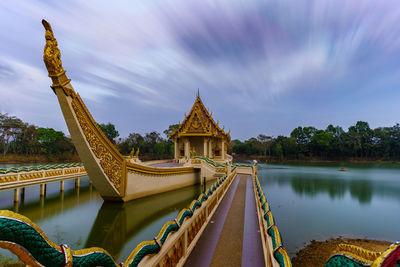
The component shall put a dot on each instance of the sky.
(262, 67)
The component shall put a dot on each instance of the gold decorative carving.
(52, 58)
(357, 253)
(199, 122)
(153, 171)
(111, 164)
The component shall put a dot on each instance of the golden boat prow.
(117, 178)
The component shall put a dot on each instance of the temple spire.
(198, 93)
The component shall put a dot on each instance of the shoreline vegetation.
(21, 142)
(317, 253)
(34, 159)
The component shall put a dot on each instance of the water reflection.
(47, 206)
(336, 188)
(362, 190)
(320, 202)
(362, 184)
(311, 187)
(117, 223)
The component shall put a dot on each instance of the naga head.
(49, 32)
(52, 58)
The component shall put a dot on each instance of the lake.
(318, 202)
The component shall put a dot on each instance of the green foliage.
(152, 145)
(333, 143)
(20, 138)
(54, 142)
(171, 129)
(109, 130)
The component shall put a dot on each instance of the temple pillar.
(176, 147)
(222, 149)
(187, 148)
(205, 147)
(210, 155)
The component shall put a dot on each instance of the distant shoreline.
(314, 160)
(35, 159)
(38, 159)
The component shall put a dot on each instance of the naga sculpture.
(52, 58)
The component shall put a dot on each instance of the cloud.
(260, 57)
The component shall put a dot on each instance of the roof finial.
(198, 93)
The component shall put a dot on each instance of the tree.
(49, 140)
(109, 130)
(321, 141)
(170, 130)
(266, 142)
(10, 128)
(364, 134)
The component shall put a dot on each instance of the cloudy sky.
(261, 66)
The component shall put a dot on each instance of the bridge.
(18, 178)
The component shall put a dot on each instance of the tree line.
(152, 145)
(334, 143)
(304, 143)
(21, 138)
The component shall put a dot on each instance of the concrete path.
(232, 237)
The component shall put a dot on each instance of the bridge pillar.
(16, 195)
(16, 207)
(22, 194)
(77, 183)
(42, 189)
(62, 186)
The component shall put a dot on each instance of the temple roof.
(199, 122)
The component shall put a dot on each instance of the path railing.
(274, 252)
(210, 161)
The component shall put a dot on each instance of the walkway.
(232, 237)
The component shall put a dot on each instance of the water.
(320, 202)
(81, 219)
(308, 202)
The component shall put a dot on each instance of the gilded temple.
(200, 135)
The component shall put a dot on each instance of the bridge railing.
(274, 252)
(209, 167)
(210, 161)
(10, 177)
